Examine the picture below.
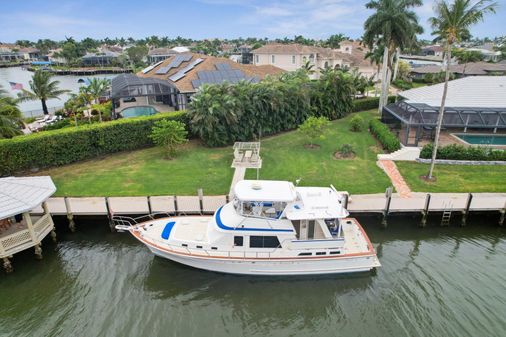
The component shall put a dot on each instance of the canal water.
(19, 75)
(434, 282)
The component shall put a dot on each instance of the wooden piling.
(149, 205)
(109, 215)
(503, 215)
(425, 211)
(465, 213)
(38, 252)
(200, 193)
(386, 211)
(70, 216)
(345, 201)
(7, 265)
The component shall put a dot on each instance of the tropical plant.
(346, 150)
(393, 25)
(332, 93)
(467, 56)
(96, 88)
(42, 88)
(168, 134)
(308, 67)
(451, 25)
(313, 128)
(356, 123)
(10, 116)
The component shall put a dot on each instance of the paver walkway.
(395, 176)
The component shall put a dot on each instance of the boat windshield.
(260, 209)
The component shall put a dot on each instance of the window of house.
(326, 64)
(293, 59)
(238, 241)
(273, 58)
(263, 242)
(257, 58)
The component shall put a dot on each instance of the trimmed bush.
(460, 152)
(356, 123)
(383, 134)
(68, 145)
(368, 103)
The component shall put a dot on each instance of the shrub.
(368, 103)
(313, 128)
(346, 150)
(383, 134)
(169, 134)
(356, 123)
(460, 152)
(67, 145)
(403, 85)
(63, 123)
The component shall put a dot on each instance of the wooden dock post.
(149, 205)
(425, 212)
(70, 216)
(503, 215)
(388, 195)
(176, 211)
(109, 215)
(53, 231)
(7, 265)
(345, 202)
(200, 193)
(465, 213)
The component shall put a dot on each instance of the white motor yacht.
(269, 228)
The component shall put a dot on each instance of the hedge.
(382, 133)
(68, 145)
(460, 152)
(368, 103)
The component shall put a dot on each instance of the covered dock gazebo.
(18, 229)
(130, 85)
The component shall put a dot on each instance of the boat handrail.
(126, 220)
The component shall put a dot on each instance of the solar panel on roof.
(177, 76)
(222, 66)
(163, 70)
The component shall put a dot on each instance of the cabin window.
(305, 254)
(321, 253)
(263, 242)
(238, 241)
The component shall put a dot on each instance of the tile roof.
(355, 58)
(184, 85)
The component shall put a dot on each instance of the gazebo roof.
(19, 195)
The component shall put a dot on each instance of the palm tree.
(375, 55)
(450, 25)
(10, 116)
(308, 67)
(96, 88)
(42, 89)
(393, 25)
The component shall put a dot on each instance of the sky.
(200, 19)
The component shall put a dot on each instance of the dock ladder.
(447, 214)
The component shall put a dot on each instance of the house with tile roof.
(291, 57)
(461, 70)
(169, 84)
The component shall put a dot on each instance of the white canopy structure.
(265, 190)
(20, 195)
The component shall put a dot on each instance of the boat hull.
(273, 266)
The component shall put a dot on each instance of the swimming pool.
(137, 111)
(482, 139)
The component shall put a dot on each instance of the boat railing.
(121, 220)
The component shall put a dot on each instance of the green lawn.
(453, 178)
(286, 158)
(145, 172)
